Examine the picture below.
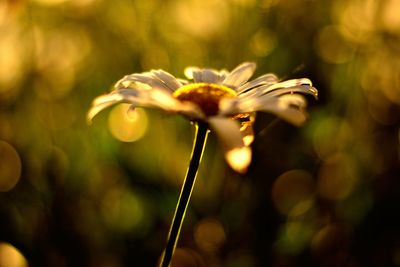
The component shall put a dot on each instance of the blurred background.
(326, 194)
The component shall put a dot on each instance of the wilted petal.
(240, 75)
(236, 153)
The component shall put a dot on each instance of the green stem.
(186, 192)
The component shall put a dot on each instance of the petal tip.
(239, 158)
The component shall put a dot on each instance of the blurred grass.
(72, 194)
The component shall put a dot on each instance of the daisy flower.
(221, 101)
(224, 101)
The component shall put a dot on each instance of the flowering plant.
(221, 101)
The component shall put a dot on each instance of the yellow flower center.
(206, 96)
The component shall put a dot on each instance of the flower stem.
(186, 192)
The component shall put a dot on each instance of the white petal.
(170, 81)
(104, 101)
(209, 76)
(146, 78)
(203, 75)
(153, 99)
(304, 89)
(164, 100)
(240, 75)
(266, 79)
(279, 89)
(227, 130)
(190, 72)
(236, 153)
(289, 107)
(289, 84)
(183, 81)
(206, 75)
(222, 74)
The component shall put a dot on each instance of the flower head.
(226, 101)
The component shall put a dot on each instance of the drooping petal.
(239, 75)
(152, 99)
(266, 79)
(118, 96)
(246, 127)
(239, 158)
(236, 153)
(289, 107)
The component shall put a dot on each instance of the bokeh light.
(263, 42)
(203, 19)
(337, 177)
(324, 194)
(11, 256)
(184, 257)
(330, 244)
(122, 210)
(332, 47)
(209, 235)
(294, 238)
(293, 192)
(10, 167)
(127, 125)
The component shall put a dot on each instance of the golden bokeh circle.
(127, 125)
(10, 166)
